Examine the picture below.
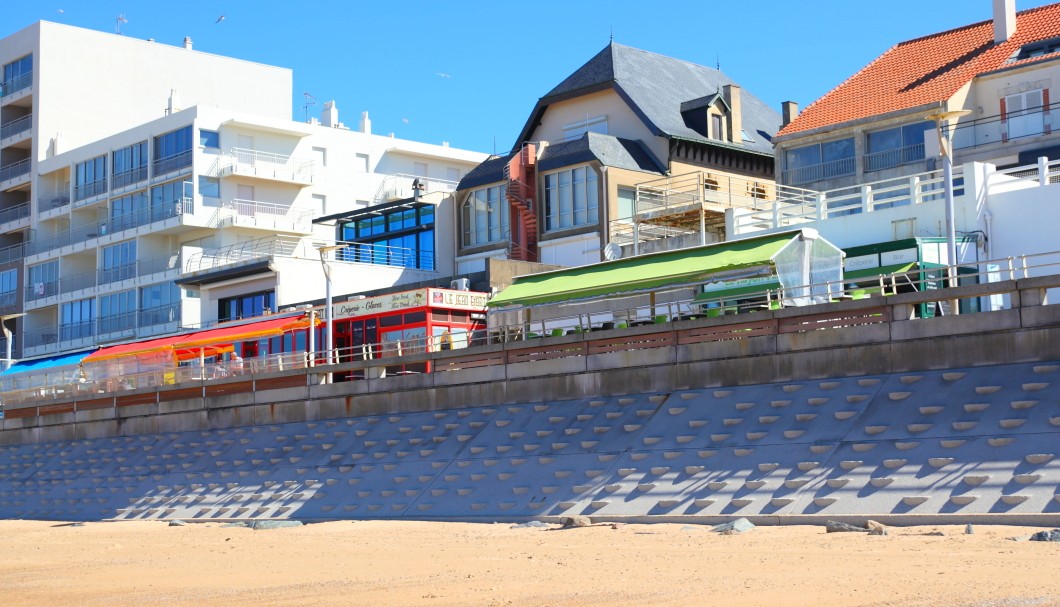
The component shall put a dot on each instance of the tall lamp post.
(946, 150)
(330, 338)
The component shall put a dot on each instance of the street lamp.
(330, 339)
(7, 333)
(946, 150)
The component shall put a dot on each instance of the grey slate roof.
(656, 86)
(609, 150)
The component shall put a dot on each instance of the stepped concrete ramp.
(973, 444)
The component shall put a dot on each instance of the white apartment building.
(168, 198)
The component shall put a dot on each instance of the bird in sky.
(220, 19)
(61, 11)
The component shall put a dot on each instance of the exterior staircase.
(521, 177)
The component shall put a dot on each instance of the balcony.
(88, 190)
(383, 255)
(8, 302)
(170, 164)
(819, 172)
(399, 186)
(16, 85)
(140, 267)
(892, 158)
(41, 290)
(15, 169)
(263, 165)
(53, 201)
(15, 213)
(120, 180)
(264, 215)
(16, 126)
(12, 253)
(152, 214)
(247, 252)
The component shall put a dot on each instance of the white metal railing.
(15, 169)
(384, 255)
(824, 170)
(117, 223)
(92, 188)
(12, 253)
(244, 252)
(19, 211)
(254, 210)
(886, 159)
(124, 178)
(275, 166)
(16, 126)
(54, 200)
(399, 185)
(16, 84)
(171, 163)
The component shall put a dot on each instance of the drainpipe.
(7, 336)
(988, 218)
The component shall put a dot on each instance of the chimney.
(789, 110)
(187, 43)
(366, 124)
(1004, 20)
(329, 116)
(731, 93)
(174, 102)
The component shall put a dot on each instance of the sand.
(442, 564)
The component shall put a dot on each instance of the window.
(246, 306)
(571, 198)
(90, 178)
(173, 150)
(717, 127)
(820, 161)
(42, 280)
(626, 199)
(17, 75)
(399, 237)
(117, 262)
(76, 318)
(574, 130)
(168, 200)
(209, 187)
(128, 211)
(8, 287)
(360, 163)
(320, 156)
(1023, 114)
(1038, 49)
(117, 311)
(129, 164)
(894, 147)
(485, 216)
(159, 304)
(209, 139)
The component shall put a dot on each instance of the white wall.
(621, 121)
(572, 250)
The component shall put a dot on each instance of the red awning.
(210, 340)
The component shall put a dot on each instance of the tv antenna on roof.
(309, 100)
(118, 23)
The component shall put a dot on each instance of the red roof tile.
(926, 70)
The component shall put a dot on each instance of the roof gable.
(926, 70)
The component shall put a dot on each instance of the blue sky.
(470, 72)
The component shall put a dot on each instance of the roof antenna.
(118, 22)
(309, 100)
(717, 59)
(612, 34)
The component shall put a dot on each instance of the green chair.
(557, 332)
(713, 312)
(660, 319)
(621, 325)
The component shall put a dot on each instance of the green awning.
(874, 272)
(643, 273)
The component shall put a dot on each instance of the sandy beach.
(442, 564)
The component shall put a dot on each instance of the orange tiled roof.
(926, 70)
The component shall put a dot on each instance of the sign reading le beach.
(443, 298)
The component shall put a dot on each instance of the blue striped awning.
(46, 364)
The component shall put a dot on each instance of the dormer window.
(717, 127)
(1038, 49)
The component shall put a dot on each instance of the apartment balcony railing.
(16, 126)
(77, 282)
(116, 323)
(77, 330)
(159, 315)
(383, 255)
(171, 163)
(399, 185)
(15, 169)
(117, 273)
(8, 300)
(43, 336)
(40, 290)
(12, 253)
(271, 212)
(892, 158)
(120, 180)
(93, 188)
(140, 267)
(245, 252)
(10, 87)
(111, 225)
(271, 166)
(19, 211)
(56, 200)
(818, 172)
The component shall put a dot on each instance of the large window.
(894, 147)
(169, 199)
(574, 130)
(42, 280)
(128, 211)
(173, 150)
(246, 306)
(1023, 113)
(17, 75)
(159, 304)
(118, 262)
(571, 199)
(485, 216)
(129, 165)
(209, 139)
(76, 318)
(395, 237)
(117, 311)
(90, 178)
(820, 161)
(8, 287)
